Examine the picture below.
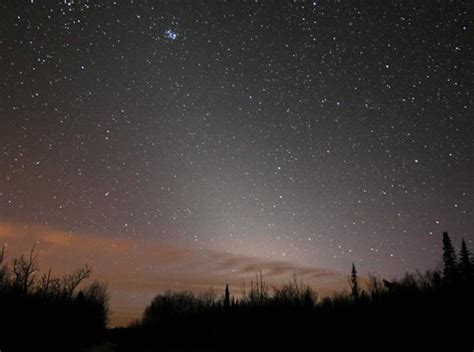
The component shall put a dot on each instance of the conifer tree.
(449, 260)
(226, 297)
(354, 283)
(465, 264)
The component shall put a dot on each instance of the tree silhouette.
(38, 305)
(418, 304)
(226, 297)
(465, 262)
(449, 260)
(72, 281)
(354, 283)
(24, 271)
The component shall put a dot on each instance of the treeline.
(48, 312)
(429, 310)
(457, 273)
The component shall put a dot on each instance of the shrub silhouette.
(44, 308)
(294, 295)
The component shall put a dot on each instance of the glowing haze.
(189, 144)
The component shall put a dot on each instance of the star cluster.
(316, 132)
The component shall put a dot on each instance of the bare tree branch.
(70, 282)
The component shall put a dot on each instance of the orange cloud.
(136, 270)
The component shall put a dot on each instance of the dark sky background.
(318, 133)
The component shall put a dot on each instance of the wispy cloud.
(136, 269)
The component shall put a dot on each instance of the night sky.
(310, 134)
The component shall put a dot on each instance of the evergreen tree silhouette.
(354, 283)
(465, 264)
(449, 260)
(226, 297)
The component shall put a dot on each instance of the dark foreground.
(438, 321)
(433, 311)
